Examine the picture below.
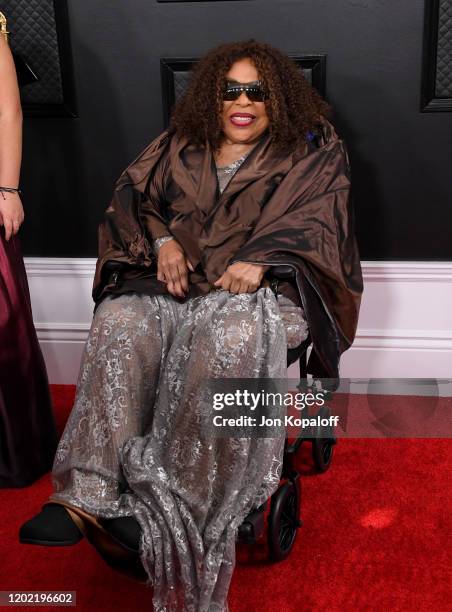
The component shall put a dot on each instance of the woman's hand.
(11, 213)
(172, 267)
(242, 277)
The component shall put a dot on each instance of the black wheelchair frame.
(283, 519)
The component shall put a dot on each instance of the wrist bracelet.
(4, 190)
(160, 241)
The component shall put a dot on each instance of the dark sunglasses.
(254, 91)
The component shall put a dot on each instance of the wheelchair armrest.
(112, 270)
(114, 266)
(281, 272)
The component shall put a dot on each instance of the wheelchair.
(285, 504)
(283, 519)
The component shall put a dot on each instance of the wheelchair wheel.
(283, 520)
(322, 453)
(323, 448)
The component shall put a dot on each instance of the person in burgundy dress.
(28, 436)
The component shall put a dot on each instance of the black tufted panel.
(437, 72)
(444, 57)
(39, 35)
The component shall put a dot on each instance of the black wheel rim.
(327, 451)
(287, 526)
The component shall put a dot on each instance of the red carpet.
(375, 537)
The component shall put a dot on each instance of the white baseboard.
(405, 325)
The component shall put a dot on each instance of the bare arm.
(11, 211)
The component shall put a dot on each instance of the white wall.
(405, 326)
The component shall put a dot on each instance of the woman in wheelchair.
(249, 176)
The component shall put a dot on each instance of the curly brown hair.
(294, 107)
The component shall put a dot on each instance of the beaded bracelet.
(4, 190)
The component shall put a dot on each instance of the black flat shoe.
(125, 530)
(53, 526)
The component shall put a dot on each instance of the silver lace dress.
(134, 445)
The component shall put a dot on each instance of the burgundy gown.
(28, 436)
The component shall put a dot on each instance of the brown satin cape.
(290, 209)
